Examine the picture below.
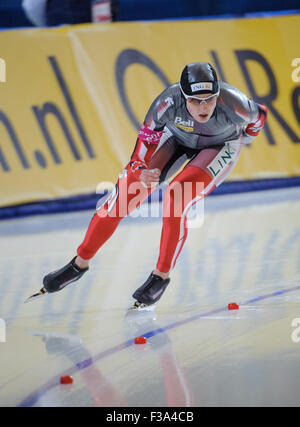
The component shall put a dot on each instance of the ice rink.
(198, 353)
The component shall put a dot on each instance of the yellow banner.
(72, 99)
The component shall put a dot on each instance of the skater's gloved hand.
(150, 177)
(254, 128)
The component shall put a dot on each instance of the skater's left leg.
(174, 209)
(202, 175)
(204, 172)
(186, 189)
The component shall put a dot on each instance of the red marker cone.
(66, 379)
(233, 306)
(140, 340)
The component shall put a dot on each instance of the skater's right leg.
(123, 199)
(129, 193)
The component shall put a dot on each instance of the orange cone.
(66, 379)
(233, 306)
(140, 340)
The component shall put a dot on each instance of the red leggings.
(107, 218)
(125, 199)
(191, 182)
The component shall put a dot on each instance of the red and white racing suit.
(170, 137)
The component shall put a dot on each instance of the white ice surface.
(198, 353)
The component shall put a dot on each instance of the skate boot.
(150, 292)
(58, 279)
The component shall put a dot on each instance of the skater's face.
(201, 107)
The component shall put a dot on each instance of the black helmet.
(197, 78)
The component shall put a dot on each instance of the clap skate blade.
(34, 297)
(140, 306)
